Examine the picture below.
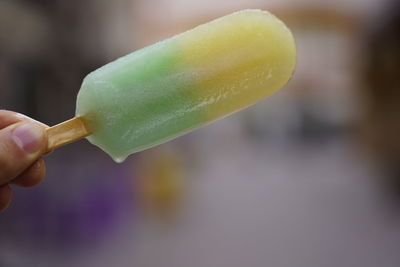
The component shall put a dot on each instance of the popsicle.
(180, 84)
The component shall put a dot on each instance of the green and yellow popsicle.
(180, 84)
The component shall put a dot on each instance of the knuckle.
(31, 176)
(5, 163)
(12, 159)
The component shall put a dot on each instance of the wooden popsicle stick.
(66, 132)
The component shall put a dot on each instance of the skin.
(20, 165)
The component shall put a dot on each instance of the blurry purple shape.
(70, 221)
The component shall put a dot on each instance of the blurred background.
(308, 177)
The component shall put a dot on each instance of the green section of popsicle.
(138, 101)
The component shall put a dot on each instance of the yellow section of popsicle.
(238, 59)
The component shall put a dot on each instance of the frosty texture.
(177, 85)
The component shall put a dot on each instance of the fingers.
(21, 144)
(32, 176)
(8, 117)
(5, 196)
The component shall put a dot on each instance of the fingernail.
(27, 136)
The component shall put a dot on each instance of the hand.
(22, 143)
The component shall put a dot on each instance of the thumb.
(21, 144)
